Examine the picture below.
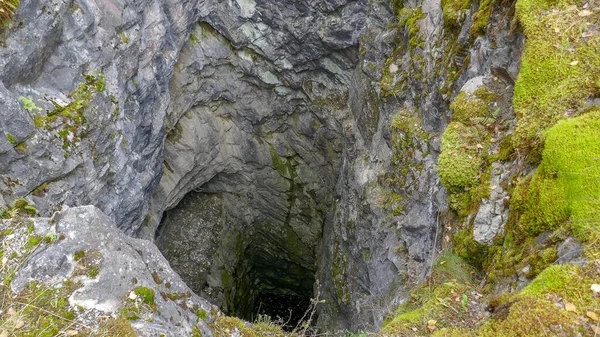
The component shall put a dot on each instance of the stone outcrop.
(123, 264)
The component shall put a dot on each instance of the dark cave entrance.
(258, 272)
(290, 311)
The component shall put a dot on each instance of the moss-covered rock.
(453, 12)
(467, 106)
(564, 187)
(560, 66)
(459, 161)
(441, 301)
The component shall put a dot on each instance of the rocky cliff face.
(289, 148)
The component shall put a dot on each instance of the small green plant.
(124, 38)
(146, 294)
(34, 240)
(11, 139)
(78, 255)
(7, 9)
(28, 104)
(50, 237)
(93, 271)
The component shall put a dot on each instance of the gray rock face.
(570, 251)
(106, 147)
(128, 263)
(492, 213)
(255, 115)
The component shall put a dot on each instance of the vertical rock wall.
(307, 134)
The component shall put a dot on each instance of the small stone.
(393, 68)
(595, 288)
(132, 295)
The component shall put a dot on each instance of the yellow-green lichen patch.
(28, 104)
(565, 185)
(560, 66)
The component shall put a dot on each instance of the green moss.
(175, 134)
(78, 255)
(453, 12)
(407, 138)
(467, 106)
(467, 248)
(506, 150)
(434, 300)
(459, 161)
(146, 294)
(194, 39)
(408, 19)
(93, 271)
(340, 270)
(34, 240)
(116, 327)
(45, 310)
(541, 261)
(21, 147)
(559, 68)
(564, 187)
(11, 139)
(480, 18)
(530, 317)
(41, 190)
(398, 5)
(72, 116)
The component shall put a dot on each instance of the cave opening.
(255, 271)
